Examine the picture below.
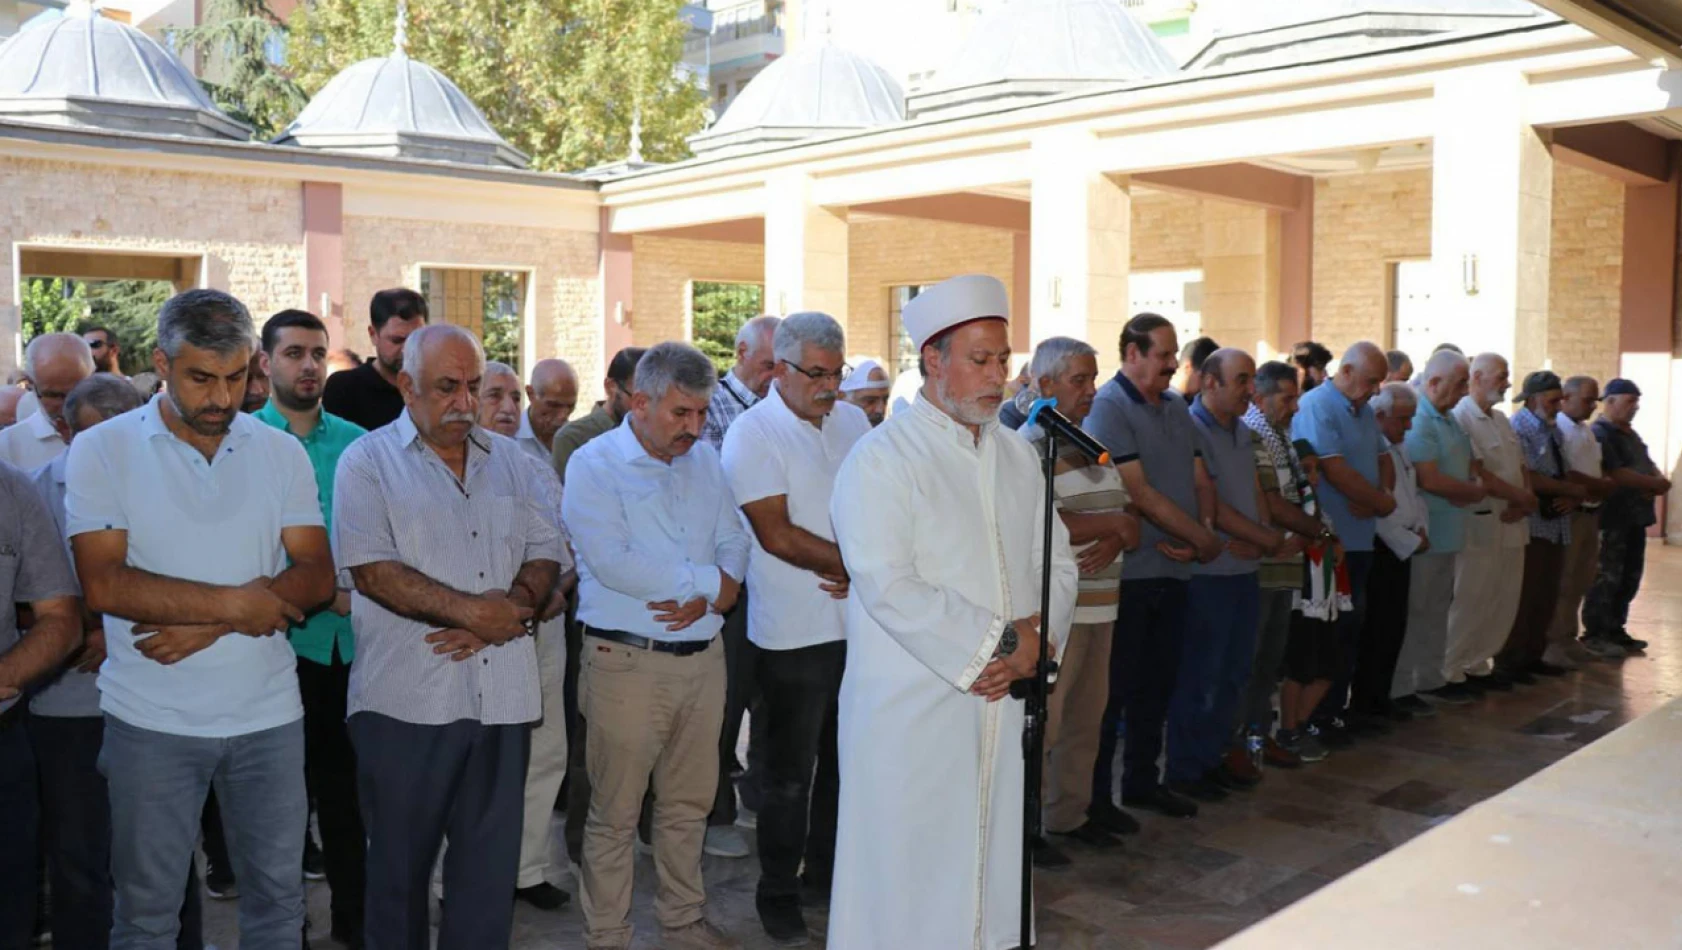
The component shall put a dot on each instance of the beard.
(291, 400)
(393, 365)
(974, 411)
(207, 421)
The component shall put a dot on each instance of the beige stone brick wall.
(1363, 223)
(1586, 273)
(1167, 231)
(388, 252)
(664, 268)
(886, 253)
(248, 230)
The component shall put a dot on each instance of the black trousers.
(75, 832)
(1383, 631)
(20, 857)
(741, 694)
(578, 777)
(330, 775)
(1358, 564)
(800, 691)
(1144, 665)
(417, 784)
(1617, 579)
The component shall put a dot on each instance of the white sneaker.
(747, 817)
(725, 841)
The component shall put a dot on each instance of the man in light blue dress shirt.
(661, 556)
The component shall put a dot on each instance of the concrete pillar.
(1021, 295)
(614, 273)
(1080, 246)
(1646, 333)
(805, 250)
(1241, 277)
(324, 256)
(1295, 321)
(1491, 214)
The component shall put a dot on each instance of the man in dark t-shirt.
(368, 394)
(1624, 519)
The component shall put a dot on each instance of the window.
(717, 310)
(1413, 324)
(488, 303)
(904, 355)
(1175, 294)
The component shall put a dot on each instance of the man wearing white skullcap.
(937, 514)
(867, 388)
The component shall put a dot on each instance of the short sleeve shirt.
(1329, 422)
(1438, 439)
(33, 563)
(1543, 454)
(1626, 508)
(1164, 441)
(216, 521)
(1230, 453)
(770, 451)
(70, 692)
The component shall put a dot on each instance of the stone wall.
(1586, 273)
(891, 252)
(1167, 231)
(663, 270)
(382, 252)
(1363, 224)
(249, 231)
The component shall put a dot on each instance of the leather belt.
(674, 647)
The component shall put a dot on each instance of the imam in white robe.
(942, 540)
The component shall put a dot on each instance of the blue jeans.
(157, 783)
(1222, 623)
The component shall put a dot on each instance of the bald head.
(1445, 379)
(54, 363)
(1229, 382)
(1362, 370)
(1490, 379)
(551, 398)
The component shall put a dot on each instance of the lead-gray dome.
(395, 106)
(1268, 35)
(83, 69)
(817, 90)
(1034, 48)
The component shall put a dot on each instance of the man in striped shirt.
(1091, 501)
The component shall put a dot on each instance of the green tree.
(560, 79)
(719, 311)
(52, 305)
(504, 299)
(241, 41)
(129, 308)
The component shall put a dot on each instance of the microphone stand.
(1034, 693)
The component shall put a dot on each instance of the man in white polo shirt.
(197, 533)
(781, 457)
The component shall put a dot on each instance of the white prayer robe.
(942, 538)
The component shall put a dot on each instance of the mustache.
(464, 417)
(825, 396)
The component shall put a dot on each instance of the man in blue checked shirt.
(661, 556)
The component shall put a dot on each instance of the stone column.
(805, 250)
(1491, 214)
(324, 256)
(1080, 246)
(1241, 277)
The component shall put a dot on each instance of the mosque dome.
(1034, 48)
(83, 69)
(397, 107)
(816, 90)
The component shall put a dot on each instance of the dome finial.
(80, 9)
(400, 35)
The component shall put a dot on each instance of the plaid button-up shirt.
(1544, 454)
(730, 400)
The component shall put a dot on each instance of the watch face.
(1007, 642)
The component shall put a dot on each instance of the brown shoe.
(1239, 766)
(700, 935)
(1278, 756)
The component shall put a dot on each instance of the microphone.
(1044, 414)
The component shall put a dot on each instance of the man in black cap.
(1624, 520)
(1550, 525)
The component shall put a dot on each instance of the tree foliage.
(128, 308)
(719, 310)
(560, 79)
(238, 39)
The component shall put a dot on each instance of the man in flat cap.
(867, 388)
(1624, 520)
(937, 513)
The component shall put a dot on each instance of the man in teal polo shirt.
(295, 358)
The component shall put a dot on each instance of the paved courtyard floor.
(1192, 883)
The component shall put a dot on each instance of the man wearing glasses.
(107, 352)
(780, 458)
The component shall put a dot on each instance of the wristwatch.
(1007, 642)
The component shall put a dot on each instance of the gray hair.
(1398, 359)
(1575, 384)
(1441, 364)
(1488, 363)
(1051, 358)
(49, 344)
(751, 330)
(799, 330)
(1392, 396)
(496, 368)
(205, 320)
(105, 394)
(677, 364)
(415, 347)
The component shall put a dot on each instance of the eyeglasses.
(818, 374)
(96, 345)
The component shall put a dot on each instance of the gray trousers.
(1430, 590)
(417, 784)
(1255, 711)
(157, 784)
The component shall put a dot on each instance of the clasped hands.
(497, 619)
(994, 682)
(252, 609)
